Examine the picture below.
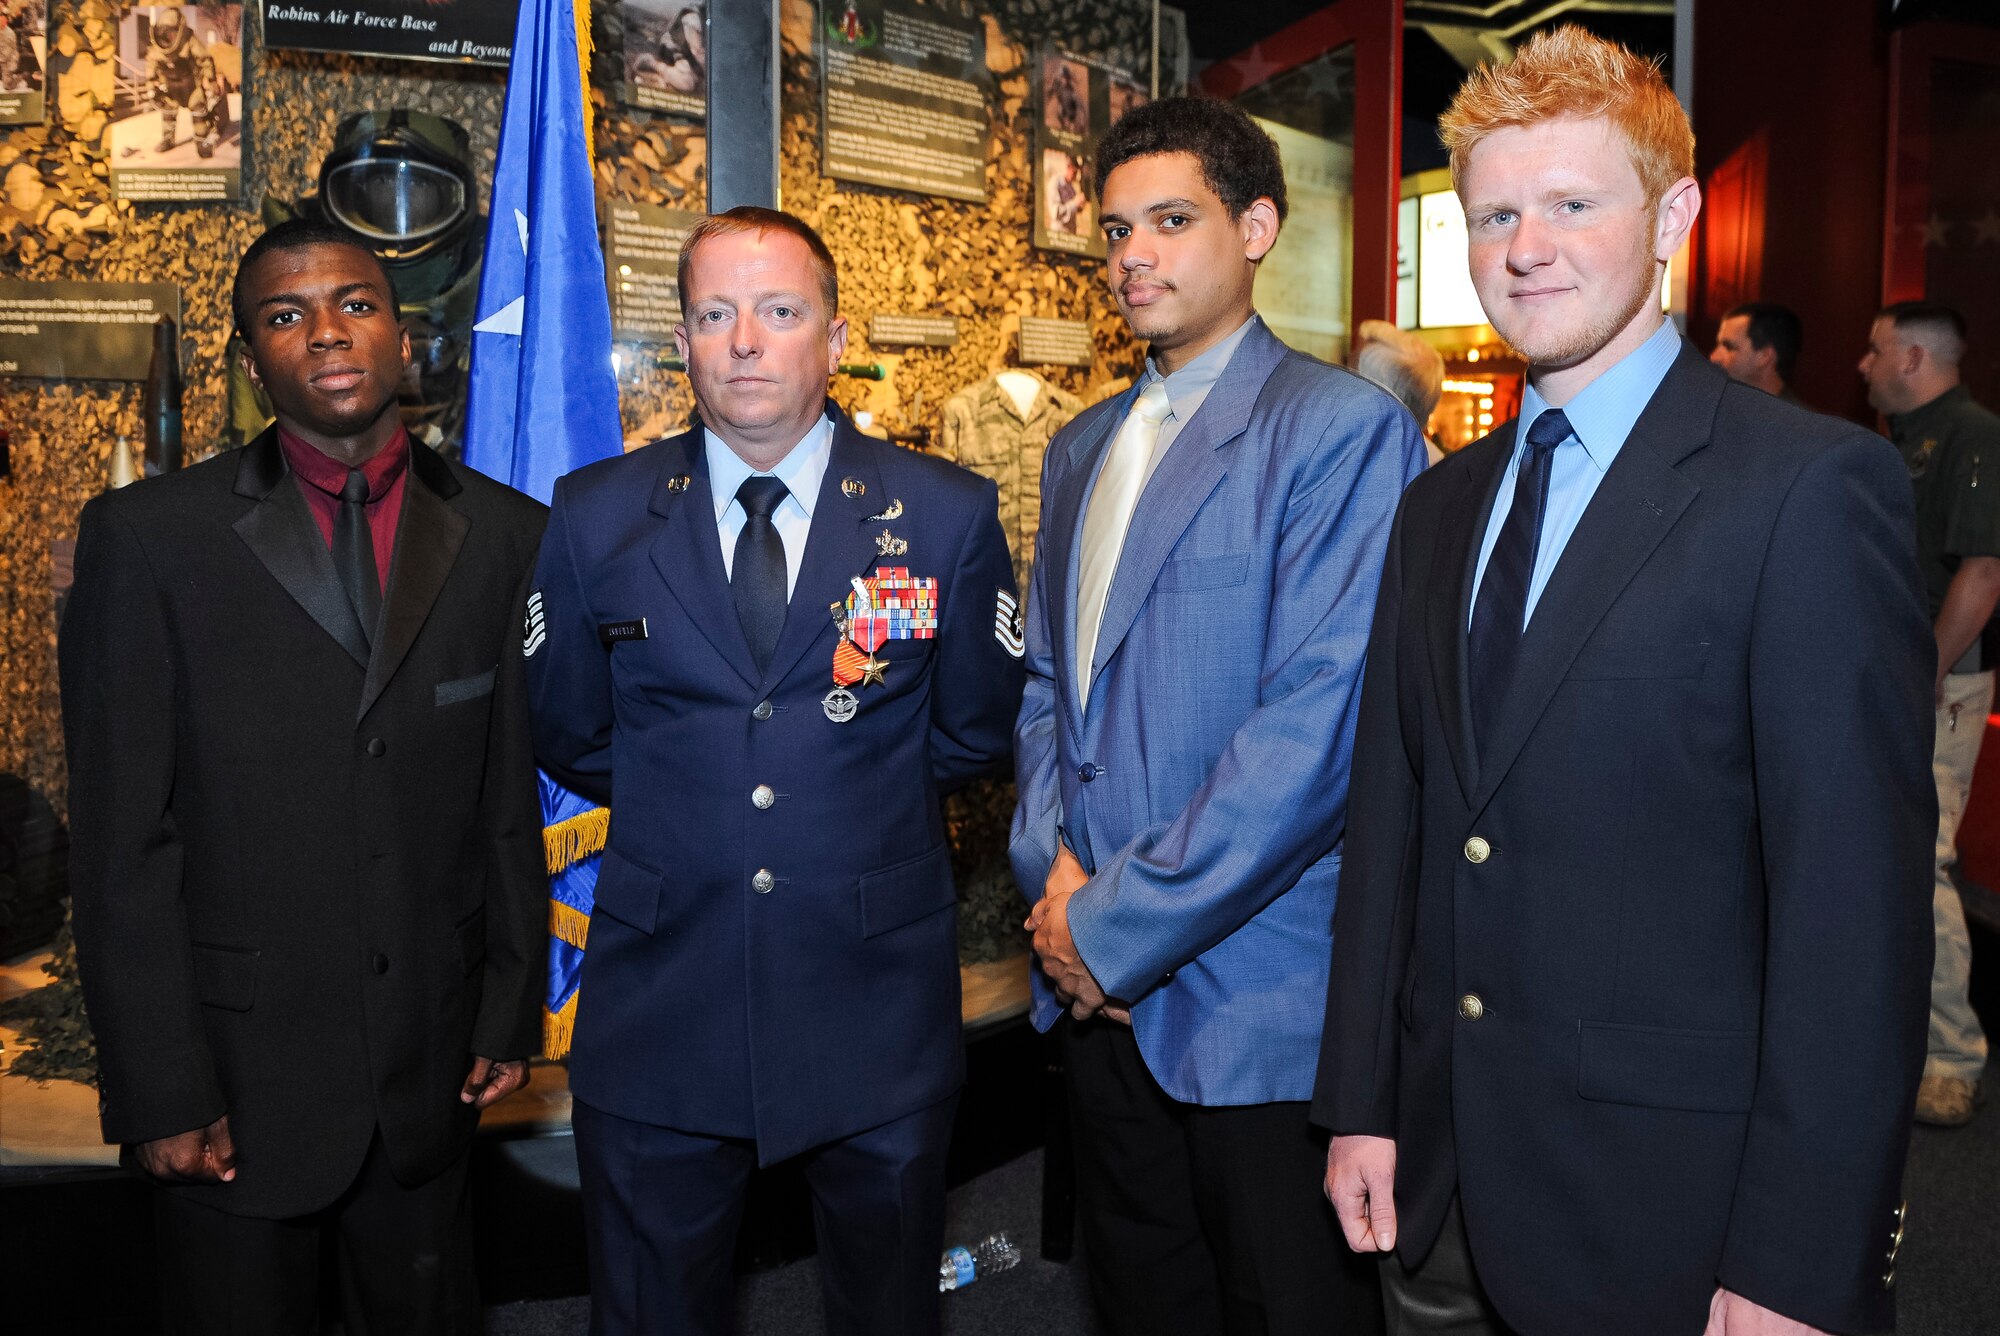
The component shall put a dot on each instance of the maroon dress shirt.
(320, 480)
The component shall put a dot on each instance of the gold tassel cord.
(576, 839)
(581, 11)
(558, 1029)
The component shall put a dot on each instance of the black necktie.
(757, 577)
(354, 554)
(1501, 611)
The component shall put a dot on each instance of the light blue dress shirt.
(1600, 418)
(1187, 389)
(800, 471)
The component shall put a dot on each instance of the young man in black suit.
(1631, 961)
(307, 858)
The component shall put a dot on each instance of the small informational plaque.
(24, 52)
(642, 254)
(903, 105)
(1055, 342)
(480, 31)
(1079, 99)
(176, 133)
(913, 331)
(86, 331)
(666, 56)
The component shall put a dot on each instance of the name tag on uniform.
(611, 633)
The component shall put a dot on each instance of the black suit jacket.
(309, 882)
(1696, 921)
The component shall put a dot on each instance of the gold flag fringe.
(570, 924)
(581, 10)
(576, 839)
(558, 1028)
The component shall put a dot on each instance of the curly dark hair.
(1238, 160)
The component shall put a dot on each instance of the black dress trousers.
(1200, 1220)
(405, 1261)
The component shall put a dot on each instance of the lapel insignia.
(853, 488)
(888, 545)
(894, 512)
(678, 485)
(536, 629)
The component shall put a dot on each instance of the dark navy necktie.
(757, 575)
(1501, 611)
(354, 554)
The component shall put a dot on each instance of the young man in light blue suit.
(1211, 545)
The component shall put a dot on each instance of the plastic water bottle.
(961, 1266)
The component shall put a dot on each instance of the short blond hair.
(1570, 72)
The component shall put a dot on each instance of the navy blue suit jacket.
(1687, 880)
(829, 1003)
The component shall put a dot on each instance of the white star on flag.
(507, 320)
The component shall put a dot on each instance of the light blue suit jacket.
(1205, 789)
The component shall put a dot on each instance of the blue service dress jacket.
(773, 951)
(1205, 787)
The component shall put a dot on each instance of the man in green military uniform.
(1952, 446)
(181, 73)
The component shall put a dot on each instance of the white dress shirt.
(800, 470)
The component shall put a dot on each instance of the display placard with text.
(24, 50)
(176, 133)
(85, 331)
(642, 255)
(666, 56)
(1078, 99)
(480, 31)
(903, 100)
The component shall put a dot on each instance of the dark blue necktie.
(1501, 611)
(757, 575)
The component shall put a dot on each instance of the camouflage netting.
(898, 253)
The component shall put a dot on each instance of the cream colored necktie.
(1112, 501)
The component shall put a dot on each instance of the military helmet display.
(401, 180)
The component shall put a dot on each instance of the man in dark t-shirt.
(1952, 447)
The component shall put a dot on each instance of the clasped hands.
(1056, 949)
(208, 1154)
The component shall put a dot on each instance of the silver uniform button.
(762, 798)
(763, 881)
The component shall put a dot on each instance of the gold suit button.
(1470, 1007)
(762, 798)
(1477, 850)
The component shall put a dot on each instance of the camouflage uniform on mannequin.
(402, 183)
(1000, 428)
(180, 73)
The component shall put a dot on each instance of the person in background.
(1407, 367)
(1951, 445)
(1758, 345)
(1627, 998)
(310, 893)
